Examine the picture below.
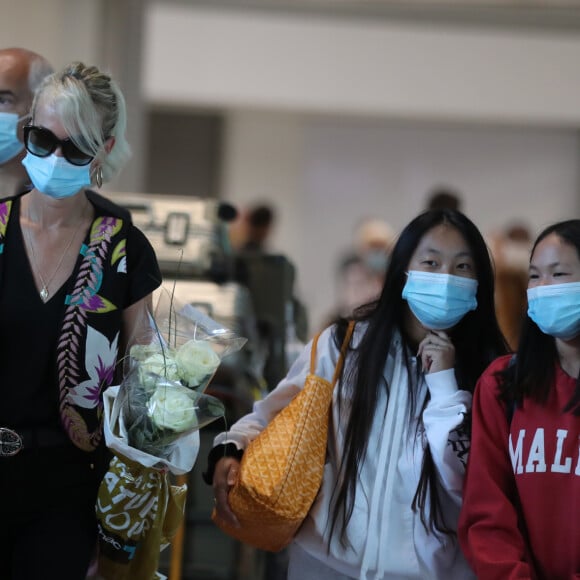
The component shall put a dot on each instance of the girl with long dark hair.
(399, 434)
(520, 514)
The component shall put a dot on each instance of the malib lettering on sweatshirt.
(534, 459)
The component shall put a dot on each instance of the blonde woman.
(75, 277)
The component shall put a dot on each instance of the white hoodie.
(386, 539)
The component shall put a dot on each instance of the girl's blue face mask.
(439, 301)
(555, 308)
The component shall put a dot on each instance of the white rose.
(158, 364)
(197, 361)
(141, 352)
(172, 407)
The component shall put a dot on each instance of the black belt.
(13, 441)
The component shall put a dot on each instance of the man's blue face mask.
(10, 146)
(376, 261)
(439, 301)
(555, 308)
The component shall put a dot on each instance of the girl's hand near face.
(437, 352)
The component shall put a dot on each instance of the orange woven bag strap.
(340, 361)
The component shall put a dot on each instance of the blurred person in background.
(76, 279)
(361, 273)
(250, 236)
(443, 197)
(510, 249)
(21, 71)
(253, 229)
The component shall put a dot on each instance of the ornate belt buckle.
(10, 442)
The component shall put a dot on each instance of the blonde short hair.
(91, 109)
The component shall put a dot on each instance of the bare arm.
(136, 323)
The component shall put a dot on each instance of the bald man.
(21, 71)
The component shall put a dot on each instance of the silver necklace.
(44, 293)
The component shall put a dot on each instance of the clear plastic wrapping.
(167, 370)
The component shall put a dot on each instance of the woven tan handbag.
(281, 470)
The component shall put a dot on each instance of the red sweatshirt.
(535, 459)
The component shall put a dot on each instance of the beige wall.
(61, 30)
(236, 58)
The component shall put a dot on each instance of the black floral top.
(57, 358)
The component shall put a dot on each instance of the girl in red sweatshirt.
(520, 517)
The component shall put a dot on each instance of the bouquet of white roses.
(151, 424)
(162, 394)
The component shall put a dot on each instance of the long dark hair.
(477, 340)
(532, 372)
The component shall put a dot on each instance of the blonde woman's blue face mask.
(55, 176)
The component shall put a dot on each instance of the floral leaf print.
(100, 361)
(120, 255)
(104, 228)
(122, 266)
(84, 301)
(4, 213)
(96, 303)
(87, 296)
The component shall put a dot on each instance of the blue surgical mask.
(555, 308)
(10, 146)
(439, 301)
(55, 176)
(376, 261)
